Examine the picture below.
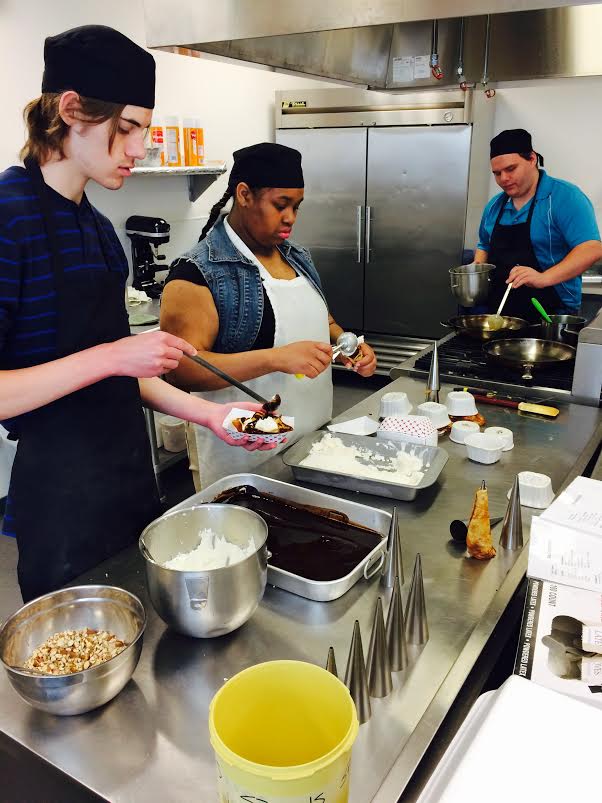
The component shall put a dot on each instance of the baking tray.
(433, 457)
(318, 590)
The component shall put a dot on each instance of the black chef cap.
(513, 140)
(267, 165)
(101, 63)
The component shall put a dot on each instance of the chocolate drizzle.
(311, 542)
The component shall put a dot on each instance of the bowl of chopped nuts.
(73, 650)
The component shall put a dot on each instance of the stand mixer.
(147, 234)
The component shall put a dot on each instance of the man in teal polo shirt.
(539, 232)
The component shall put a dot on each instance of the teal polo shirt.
(562, 219)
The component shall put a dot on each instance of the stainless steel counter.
(151, 742)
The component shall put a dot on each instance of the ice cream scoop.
(347, 344)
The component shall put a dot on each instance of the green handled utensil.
(541, 310)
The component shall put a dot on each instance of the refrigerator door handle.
(359, 233)
(368, 220)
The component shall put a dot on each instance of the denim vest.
(236, 286)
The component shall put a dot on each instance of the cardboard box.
(558, 645)
(566, 540)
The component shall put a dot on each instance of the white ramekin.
(436, 412)
(395, 404)
(535, 489)
(483, 448)
(504, 434)
(460, 402)
(462, 429)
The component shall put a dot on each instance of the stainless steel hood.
(369, 43)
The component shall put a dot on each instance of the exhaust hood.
(372, 43)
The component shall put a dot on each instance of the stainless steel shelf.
(198, 178)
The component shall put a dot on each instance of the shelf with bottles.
(198, 177)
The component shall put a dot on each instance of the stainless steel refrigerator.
(385, 206)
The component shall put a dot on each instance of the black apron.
(510, 246)
(82, 484)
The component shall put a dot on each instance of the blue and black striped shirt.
(28, 306)
(28, 300)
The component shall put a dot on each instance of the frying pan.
(478, 326)
(526, 353)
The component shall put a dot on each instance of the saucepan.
(479, 326)
(526, 353)
(562, 329)
(470, 283)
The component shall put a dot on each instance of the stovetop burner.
(461, 357)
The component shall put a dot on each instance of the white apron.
(299, 314)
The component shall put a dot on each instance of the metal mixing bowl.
(97, 607)
(470, 283)
(216, 601)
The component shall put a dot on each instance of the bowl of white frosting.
(206, 567)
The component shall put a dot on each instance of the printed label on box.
(592, 639)
(560, 636)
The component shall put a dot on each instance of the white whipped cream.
(212, 552)
(268, 425)
(331, 454)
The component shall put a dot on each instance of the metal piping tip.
(355, 676)
(393, 562)
(416, 625)
(396, 638)
(433, 385)
(378, 667)
(331, 663)
(511, 536)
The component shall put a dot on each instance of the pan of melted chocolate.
(312, 542)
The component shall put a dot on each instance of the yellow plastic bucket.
(282, 732)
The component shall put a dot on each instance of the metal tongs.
(347, 344)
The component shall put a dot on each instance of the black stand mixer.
(147, 234)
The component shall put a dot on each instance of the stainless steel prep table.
(151, 742)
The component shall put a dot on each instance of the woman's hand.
(308, 357)
(212, 416)
(146, 355)
(367, 365)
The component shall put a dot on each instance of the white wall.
(234, 102)
(564, 116)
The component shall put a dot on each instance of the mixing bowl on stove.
(216, 601)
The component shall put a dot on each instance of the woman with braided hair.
(251, 302)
